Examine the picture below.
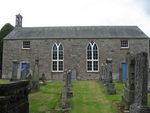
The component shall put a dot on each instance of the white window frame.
(57, 60)
(121, 44)
(92, 45)
(23, 44)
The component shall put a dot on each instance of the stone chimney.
(19, 20)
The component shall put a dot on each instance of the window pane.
(55, 48)
(89, 47)
(89, 54)
(95, 65)
(54, 55)
(89, 65)
(60, 65)
(26, 44)
(124, 43)
(60, 47)
(54, 65)
(94, 47)
(95, 54)
(61, 55)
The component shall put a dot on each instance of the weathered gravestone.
(64, 91)
(149, 80)
(141, 76)
(120, 74)
(15, 70)
(128, 96)
(74, 74)
(101, 78)
(14, 97)
(35, 78)
(109, 85)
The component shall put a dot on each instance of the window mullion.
(57, 58)
(92, 57)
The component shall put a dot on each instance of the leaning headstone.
(35, 79)
(109, 85)
(15, 70)
(14, 97)
(128, 96)
(74, 74)
(141, 76)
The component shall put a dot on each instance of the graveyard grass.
(46, 99)
(89, 97)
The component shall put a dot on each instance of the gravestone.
(35, 79)
(128, 96)
(43, 79)
(69, 72)
(101, 78)
(15, 70)
(120, 74)
(14, 97)
(109, 85)
(141, 79)
(64, 91)
(74, 74)
(149, 80)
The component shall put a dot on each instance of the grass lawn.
(1, 80)
(46, 99)
(89, 97)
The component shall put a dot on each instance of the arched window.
(57, 58)
(92, 57)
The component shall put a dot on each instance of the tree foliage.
(6, 29)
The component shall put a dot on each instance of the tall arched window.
(57, 58)
(92, 57)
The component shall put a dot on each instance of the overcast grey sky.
(77, 12)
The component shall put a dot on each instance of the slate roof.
(76, 32)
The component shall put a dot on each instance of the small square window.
(124, 44)
(26, 45)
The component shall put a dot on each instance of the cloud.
(144, 4)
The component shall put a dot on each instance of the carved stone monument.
(64, 91)
(35, 79)
(128, 96)
(141, 79)
(109, 85)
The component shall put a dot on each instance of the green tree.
(6, 29)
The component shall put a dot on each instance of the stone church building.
(82, 49)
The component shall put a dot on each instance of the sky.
(39, 13)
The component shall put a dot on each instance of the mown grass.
(46, 99)
(1, 80)
(89, 97)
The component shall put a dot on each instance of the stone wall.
(74, 55)
(14, 97)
